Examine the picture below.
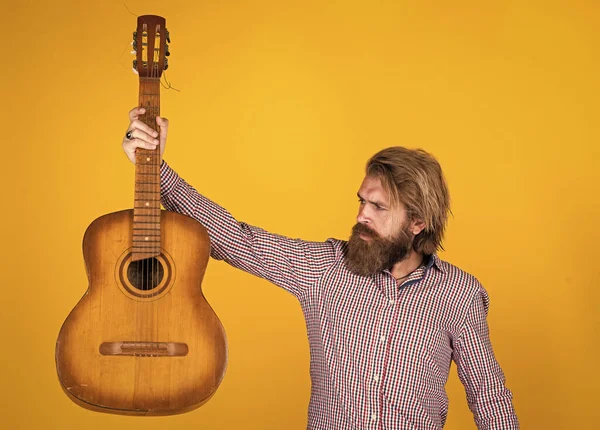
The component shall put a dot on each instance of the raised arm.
(292, 264)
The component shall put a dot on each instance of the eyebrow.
(373, 202)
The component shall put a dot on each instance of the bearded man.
(385, 315)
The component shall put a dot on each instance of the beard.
(368, 257)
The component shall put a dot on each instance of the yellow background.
(280, 105)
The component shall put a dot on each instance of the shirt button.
(392, 301)
(382, 338)
(376, 378)
(374, 417)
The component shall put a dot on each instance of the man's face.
(382, 236)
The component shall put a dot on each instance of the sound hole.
(145, 274)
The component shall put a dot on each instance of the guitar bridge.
(144, 349)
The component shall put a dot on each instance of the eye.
(379, 208)
(361, 201)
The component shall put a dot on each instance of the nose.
(362, 217)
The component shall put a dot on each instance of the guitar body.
(142, 340)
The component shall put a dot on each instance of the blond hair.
(414, 178)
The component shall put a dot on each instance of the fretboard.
(146, 209)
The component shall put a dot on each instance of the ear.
(417, 226)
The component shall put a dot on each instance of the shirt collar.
(434, 260)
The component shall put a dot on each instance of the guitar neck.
(146, 209)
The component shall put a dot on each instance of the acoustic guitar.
(143, 340)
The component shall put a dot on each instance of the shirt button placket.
(381, 342)
(374, 382)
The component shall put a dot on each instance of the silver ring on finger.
(129, 135)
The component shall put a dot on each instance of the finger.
(163, 123)
(135, 113)
(131, 145)
(145, 131)
(142, 136)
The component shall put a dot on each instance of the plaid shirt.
(380, 354)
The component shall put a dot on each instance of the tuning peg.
(167, 53)
(135, 64)
(168, 35)
(166, 64)
(134, 44)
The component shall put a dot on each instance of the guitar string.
(156, 175)
(150, 269)
(154, 179)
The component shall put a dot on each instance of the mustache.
(364, 230)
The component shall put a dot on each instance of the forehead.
(372, 189)
(371, 184)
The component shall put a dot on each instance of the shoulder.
(339, 247)
(459, 284)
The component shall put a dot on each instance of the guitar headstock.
(150, 45)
